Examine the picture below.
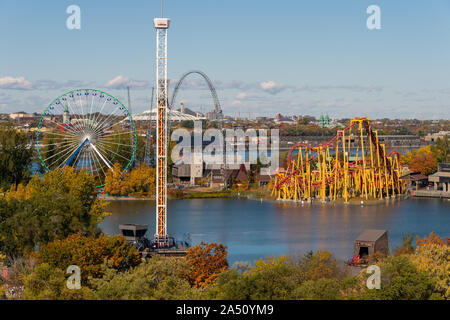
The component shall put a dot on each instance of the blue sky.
(264, 57)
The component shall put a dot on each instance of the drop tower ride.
(161, 236)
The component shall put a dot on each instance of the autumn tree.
(406, 246)
(207, 262)
(61, 203)
(422, 160)
(432, 257)
(89, 253)
(115, 181)
(142, 180)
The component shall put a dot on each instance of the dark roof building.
(371, 241)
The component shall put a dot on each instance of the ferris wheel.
(86, 129)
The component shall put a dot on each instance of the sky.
(264, 57)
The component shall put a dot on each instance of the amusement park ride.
(353, 164)
(88, 129)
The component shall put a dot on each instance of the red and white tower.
(161, 26)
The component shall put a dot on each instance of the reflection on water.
(253, 229)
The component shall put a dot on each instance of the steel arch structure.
(217, 107)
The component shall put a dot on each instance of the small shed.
(371, 241)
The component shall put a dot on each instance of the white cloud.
(122, 82)
(272, 87)
(19, 83)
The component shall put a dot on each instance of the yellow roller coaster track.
(351, 165)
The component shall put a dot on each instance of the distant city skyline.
(264, 57)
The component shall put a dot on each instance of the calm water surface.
(253, 229)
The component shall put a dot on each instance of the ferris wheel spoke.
(74, 133)
(101, 125)
(115, 143)
(100, 147)
(100, 112)
(66, 152)
(91, 116)
(104, 159)
(91, 163)
(68, 147)
(70, 157)
(77, 158)
(46, 151)
(76, 116)
(117, 133)
(98, 161)
(99, 129)
(96, 152)
(82, 118)
(67, 139)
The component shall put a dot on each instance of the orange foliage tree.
(89, 253)
(422, 160)
(207, 262)
(432, 239)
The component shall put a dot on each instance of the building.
(441, 179)
(415, 179)
(172, 115)
(432, 137)
(371, 241)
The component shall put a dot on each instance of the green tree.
(158, 278)
(63, 202)
(49, 283)
(441, 150)
(401, 280)
(16, 156)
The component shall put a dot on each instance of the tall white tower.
(161, 26)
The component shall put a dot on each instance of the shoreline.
(257, 196)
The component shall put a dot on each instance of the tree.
(49, 283)
(142, 180)
(441, 150)
(406, 247)
(422, 160)
(157, 278)
(322, 289)
(63, 202)
(432, 257)
(401, 280)
(15, 156)
(207, 262)
(320, 264)
(115, 181)
(89, 253)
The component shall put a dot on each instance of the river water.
(253, 229)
